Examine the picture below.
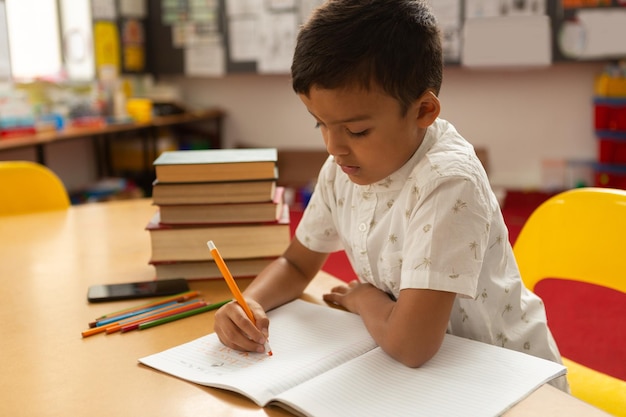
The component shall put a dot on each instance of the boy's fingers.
(247, 328)
(237, 331)
(237, 338)
(339, 289)
(260, 317)
(332, 298)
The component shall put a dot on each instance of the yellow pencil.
(232, 285)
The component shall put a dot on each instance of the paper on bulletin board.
(103, 10)
(205, 11)
(133, 8)
(498, 8)
(481, 8)
(77, 37)
(106, 45)
(448, 14)
(243, 7)
(507, 41)
(243, 39)
(594, 34)
(243, 29)
(277, 5)
(189, 33)
(500, 33)
(173, 12)
(134, 58)
(205, 59)
(307, 7)
(277, 41)
(265, 31)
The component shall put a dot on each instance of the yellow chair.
(27, 187)
(579, 235)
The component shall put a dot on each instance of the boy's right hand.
(235, 330)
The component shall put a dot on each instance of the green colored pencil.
(182, 315)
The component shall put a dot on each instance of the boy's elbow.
(413, 355)
(413, 360)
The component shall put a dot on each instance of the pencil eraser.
(210, 245)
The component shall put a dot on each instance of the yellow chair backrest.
(27, 187)
(580, 235)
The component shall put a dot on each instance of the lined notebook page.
(465, 378)
(306, 340)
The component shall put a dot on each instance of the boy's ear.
(428, 108)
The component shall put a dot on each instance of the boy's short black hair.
(354, 43)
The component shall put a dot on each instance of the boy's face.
(365, 130)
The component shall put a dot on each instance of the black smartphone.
(132, 290)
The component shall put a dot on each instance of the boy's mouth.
(349, 169)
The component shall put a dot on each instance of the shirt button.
(362, 227)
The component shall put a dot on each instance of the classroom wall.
(524, 117)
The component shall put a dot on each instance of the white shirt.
(435, 223)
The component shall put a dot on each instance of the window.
(34, 43)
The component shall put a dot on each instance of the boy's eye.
(358, 134)
(351, 133)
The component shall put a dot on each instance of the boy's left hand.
(347, 296)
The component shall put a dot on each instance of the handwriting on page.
(210, 358)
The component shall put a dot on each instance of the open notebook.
(326, 364)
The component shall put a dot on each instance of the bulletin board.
(217, 37)
(164, 56)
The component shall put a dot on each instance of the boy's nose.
(335, 144)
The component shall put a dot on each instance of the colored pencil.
(183, 315)
(135, 325)
(113, 319)
(100, 329)
(184, 307)
(93, 330)
(161, 310)
(176, 297)
(232, 285)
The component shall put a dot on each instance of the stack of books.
(228, 196)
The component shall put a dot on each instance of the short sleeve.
(316, 229)
(448, 233)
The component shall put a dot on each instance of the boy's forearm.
(277, 284)
(408, 335)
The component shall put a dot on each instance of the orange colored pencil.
(95, 330)
(232, 285)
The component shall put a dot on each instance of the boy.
(402, 192)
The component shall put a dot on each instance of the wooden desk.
(47, 262)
